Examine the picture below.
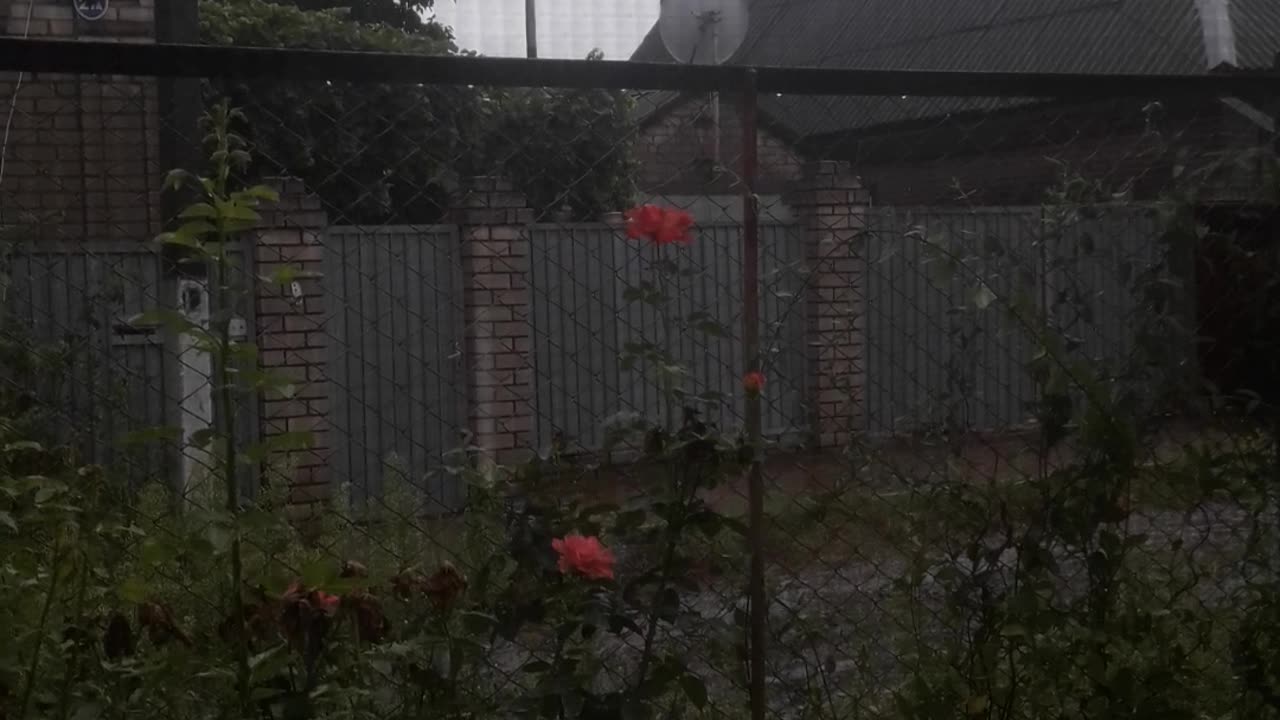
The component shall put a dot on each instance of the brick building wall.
(676, 147)
(82, 156)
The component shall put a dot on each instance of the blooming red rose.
(584, 556)
(661, 225)
(753, 382)
(643, 221)
(316, 600)
(674, 228)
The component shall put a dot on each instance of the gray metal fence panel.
(75, 301)
(397, 380)
(583, 324)
(935, 357)
(943, 348)
(1098, 254)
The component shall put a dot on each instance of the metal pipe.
(751, 353)
(97, 57)
(531, 28)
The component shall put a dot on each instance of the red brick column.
(291, 337)
(830, 206)
(493, 219)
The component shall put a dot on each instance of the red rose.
(643, 221)
(584, 556)
(661, 225)
(753, 382)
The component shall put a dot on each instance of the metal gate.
(101, 378)
(398, 386)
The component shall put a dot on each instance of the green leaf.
(983, 297)
(203, 437)
(179, 240)
(218, 536)
(156, 551)
(47, 490)
(694, 689)
(22, 445)
(6, 520)
(133, 590)
(283, 275)
(478, 623)
(256, 661)
(198, 210)
(1013, 630)
(236, 211)
(629, 520)
(175, 179)
(263, 193)
(318, 573)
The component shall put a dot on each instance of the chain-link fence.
(460, 387)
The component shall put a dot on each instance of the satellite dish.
(705, 32)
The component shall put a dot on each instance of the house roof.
(1048, 36)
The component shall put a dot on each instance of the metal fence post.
(751, 356)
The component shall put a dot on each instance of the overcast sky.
(566, 28)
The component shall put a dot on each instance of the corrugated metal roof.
(1050, 36)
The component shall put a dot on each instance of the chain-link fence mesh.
(342, 442)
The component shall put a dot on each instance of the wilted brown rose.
(445, 586)
(372, 624)
(157, 619)
(353, 569)
(408, 583)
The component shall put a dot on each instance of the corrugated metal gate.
(397, 375)
(105, 376)
(111, 381)
(934, 359)
(583, 323)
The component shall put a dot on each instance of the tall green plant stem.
(222, 302)
(49, 596)
(672, 537)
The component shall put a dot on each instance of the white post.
(195, 387)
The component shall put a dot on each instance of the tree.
(379, 153)
(401, 14)
(568, 150)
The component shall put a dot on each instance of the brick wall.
(676, 146)
(830, 207)
(292, 341)
(499, 342)
(82, 160)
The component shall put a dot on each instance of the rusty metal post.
(751, 354)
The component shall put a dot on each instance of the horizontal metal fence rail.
(175, 60)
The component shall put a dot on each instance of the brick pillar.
(493, 220)
(830, 206)
(291, 337)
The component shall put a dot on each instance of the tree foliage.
(395, 153)
(402, 14)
